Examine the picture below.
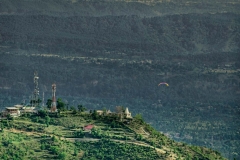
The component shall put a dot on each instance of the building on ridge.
(12, 111)
(127, 114)
(109, 112)
(99, 112)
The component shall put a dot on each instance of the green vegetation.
(108, 53)
(200, 108)
(64, 138)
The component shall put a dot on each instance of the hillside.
(132, 35)
(96, 8)
(116, 52)
(62, 137)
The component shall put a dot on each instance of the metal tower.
(35, 101)
(54, 103)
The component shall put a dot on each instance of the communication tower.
(54, 103)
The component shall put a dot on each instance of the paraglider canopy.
(163, 83)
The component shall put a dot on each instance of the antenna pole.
(212, 141)
(43, 100)
(36, 90)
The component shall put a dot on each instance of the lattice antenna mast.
(36, 90)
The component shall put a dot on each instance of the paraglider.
(163, 83)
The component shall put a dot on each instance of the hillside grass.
(25, 138)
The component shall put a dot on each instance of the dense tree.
(104, 111)
(81, 108)
(60, 104)
(49, 103)
(47, 120)
(95, 114)
(42, 113)
(73, 109)
(139, 117)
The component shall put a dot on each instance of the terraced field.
(65, 135)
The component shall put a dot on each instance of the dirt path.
(145, 132)
(25, 132)
(161, 151)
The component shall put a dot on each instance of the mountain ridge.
(191, 33)
(112, 7)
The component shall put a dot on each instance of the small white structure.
(99, 112)
(127, 114)
(109, 112)
(28, 110)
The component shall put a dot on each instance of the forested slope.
(103, 54)
(96, 8)
(178, 34)
(61, 136)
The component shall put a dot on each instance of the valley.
(105, 54)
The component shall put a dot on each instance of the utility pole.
(36, 90)
(43, 100)
(212, 142)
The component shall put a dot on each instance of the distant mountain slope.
(117, 7)
(191, 33)
(106, 53)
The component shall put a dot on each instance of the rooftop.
(18, 106)
(10, 108)
(88, 127)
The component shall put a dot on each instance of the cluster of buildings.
(17, 110)
(123, 114)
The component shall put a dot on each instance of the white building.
(12, 111)
(127, 114)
